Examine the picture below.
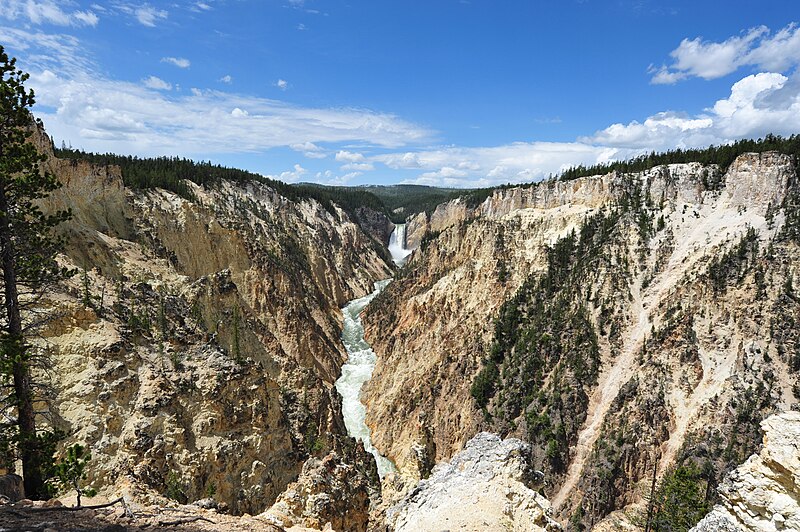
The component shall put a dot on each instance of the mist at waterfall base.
(356, 371)
(397, 245)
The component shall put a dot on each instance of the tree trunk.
(15, 351)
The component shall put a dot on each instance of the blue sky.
(442, 92)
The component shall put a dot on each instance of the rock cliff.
(619, 323)
(196, 349)
(764, 492)
(490, 486)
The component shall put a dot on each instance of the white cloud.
(360, 167)
(485, 166)
(282, 84)
(86, 17)
(157, 83)
(301, 27)
(179, 62)
(290, 176)
(226, 79)
(147, 15)
(344, 156)
(710, 60)
(758, 104)
(46, 12)
(202, 6)
(658, 131)
(330, 178)
(45, 51)
(108, 115)
(445, 172)
(310, 150)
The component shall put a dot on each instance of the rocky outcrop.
(763, 494)
(416, 226)
(331, 492)
(490, 485)
(196, 349)
(374, 223)
(615, 322)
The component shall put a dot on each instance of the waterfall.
(397, 245)
(356, 371)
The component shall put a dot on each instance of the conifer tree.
(28, 248)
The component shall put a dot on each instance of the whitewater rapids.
(356, 371)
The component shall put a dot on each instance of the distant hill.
(400, 201)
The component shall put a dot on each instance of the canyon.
(554, 346)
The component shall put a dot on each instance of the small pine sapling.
(69, 472)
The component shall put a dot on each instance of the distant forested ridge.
(402, 201)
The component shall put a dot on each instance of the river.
(356, 371)
(361, 358)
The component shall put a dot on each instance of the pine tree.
(27, 259)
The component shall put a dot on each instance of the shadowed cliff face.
(197, 347)
(618, 323)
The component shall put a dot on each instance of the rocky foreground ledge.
(763, 494)
(490, 485)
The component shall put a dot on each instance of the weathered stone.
(490, 485)
(763, 494)
(11, 487)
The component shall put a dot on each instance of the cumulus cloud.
(758, 104)
(46, 12)
(757, 47)
(179, 62)
(226, 79)
(360, 167)
(282, 84)
(330, 178)
(344, 156)
(310, 150)
(154, 82)
(290, 176)
(484, 166)
(354, 161)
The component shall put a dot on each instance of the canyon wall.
(196, 348)
(619, 323)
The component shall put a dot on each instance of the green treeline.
(723, 156)
(169, 173)
(412, 199)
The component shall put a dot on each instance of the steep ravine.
(196, 350)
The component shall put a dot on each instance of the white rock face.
(487, 486)
(763, 493)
